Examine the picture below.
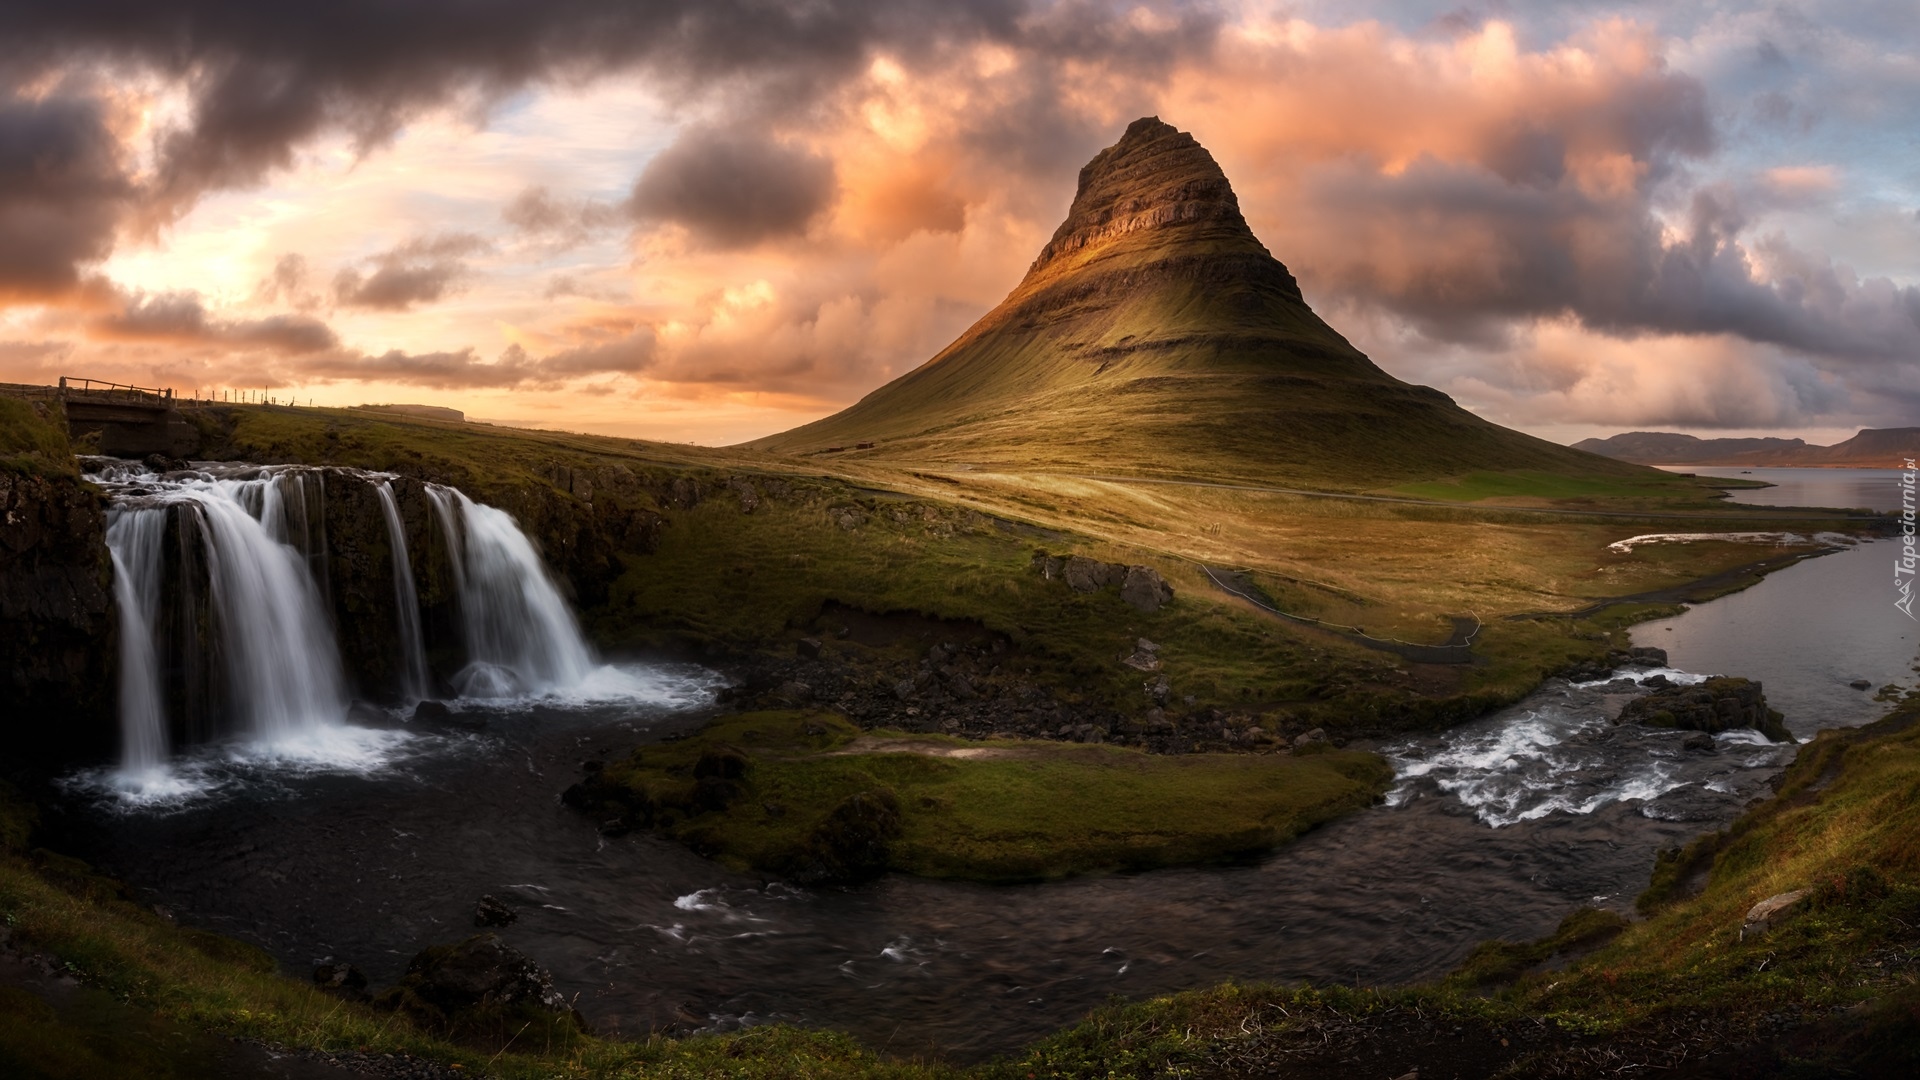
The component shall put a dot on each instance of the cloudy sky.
(708, 220)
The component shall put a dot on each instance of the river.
(1495, 828)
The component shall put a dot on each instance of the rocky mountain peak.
(1156, 177)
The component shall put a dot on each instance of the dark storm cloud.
(417, 272)
(1475, 253)
(267, 76)
(180, 318)
(731, 190)
(63, 189)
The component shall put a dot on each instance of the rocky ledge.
(1719, 704)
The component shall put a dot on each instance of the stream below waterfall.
(1496, 828)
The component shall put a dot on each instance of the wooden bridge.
(133, 421)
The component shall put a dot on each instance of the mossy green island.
(810, 797)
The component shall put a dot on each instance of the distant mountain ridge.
(1154, 335)
(1872, 448)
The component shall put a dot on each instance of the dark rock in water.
(1647, 656)
(342, 980)
(1144, 589)
(1861, 684)
(490, 911)
(1658, 682)
(435, 711)
(1699, 742)
(480, 989)
(1720, 703)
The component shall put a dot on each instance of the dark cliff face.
(58, 630)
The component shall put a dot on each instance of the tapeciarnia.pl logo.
(1903, 567)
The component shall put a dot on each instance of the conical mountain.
(1156, 336)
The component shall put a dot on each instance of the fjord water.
(1810, 633)
(1496, 828)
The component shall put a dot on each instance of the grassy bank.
(807, 795)
(1831, 986)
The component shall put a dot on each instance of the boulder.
(1716, 705)
(343, 981)
(1861, 684)
(1144, 589)
(808, 648)
(1084, 575)
(1317, 735)
(1762, 914)
(1699, 742)
(491, 911)
(476, 986)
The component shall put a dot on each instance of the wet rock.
(343, 981)
(1658, 682)
(1761, 915)
(491, 911)
(1699, 742)
(432, 712)
(1861, 684)
(1144, 589)
(480, 986)
(1720, 703)
(57, 624)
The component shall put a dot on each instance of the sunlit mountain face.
(713, 222)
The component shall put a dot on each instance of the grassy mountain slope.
(1156, 336)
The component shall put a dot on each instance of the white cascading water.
(406, 600)
(520, 635)
(259, 534)
(281, 671)
(133, 540)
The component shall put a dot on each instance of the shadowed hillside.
(1156, 336)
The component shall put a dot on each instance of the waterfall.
(133, 541)
(520, 635)
(406, 600)
(228, 634)
(268, 637)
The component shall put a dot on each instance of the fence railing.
(113, 390)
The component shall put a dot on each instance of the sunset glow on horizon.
(710, 222)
